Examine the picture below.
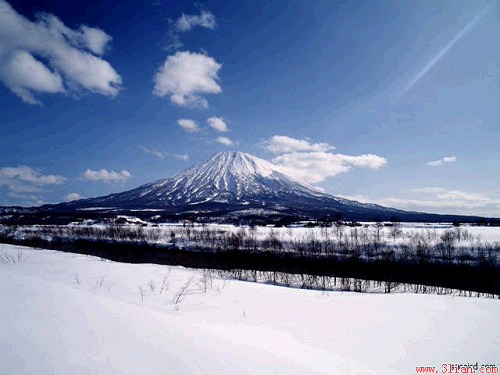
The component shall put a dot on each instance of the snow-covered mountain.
(235, 185)
(228, 177)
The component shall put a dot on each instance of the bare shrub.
(182, 292)
(7, 258)
(151, 285)
(141, 293)
(165, 283)
(99, 282)
(205, 281)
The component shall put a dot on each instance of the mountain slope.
(231, 179)
(234, 186)
(228, 177)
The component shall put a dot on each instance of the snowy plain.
(64, 313)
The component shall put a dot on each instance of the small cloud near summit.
(218, 123)
(224, 141)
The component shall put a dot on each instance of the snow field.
(64, 313)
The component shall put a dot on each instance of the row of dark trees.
(453, 259)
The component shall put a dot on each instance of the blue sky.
(391, 102)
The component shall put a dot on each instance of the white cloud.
(188, 125)
(218, 124)
(105, 176)
(439, 200)
(23, 179)
(27, 199)
(224, 141)
(446, 159)
(174, 41)
(162, 155)
(315, 167)
(95, 39)
(279, 144)
(184, 76)
(183, 157)
(46, 56)
(72, 197)
(186, 21)
(447, 196)
(154, 152)
(22, 73)
(314, 162)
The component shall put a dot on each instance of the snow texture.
(72, 314)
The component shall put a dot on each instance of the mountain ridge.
(234, 186)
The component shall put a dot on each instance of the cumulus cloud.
(439, 200)
(23, 74)
(46, 56)
(314, 162)
(279, 144)
(315, 167)
(154, 152)
(187, 21)
(105, 176)
(224, 141)
(186, 75)
(188, 125)
(24, 179)
(217, 123)
(72, 197)
(446, 159)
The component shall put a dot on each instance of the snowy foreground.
(63, 313)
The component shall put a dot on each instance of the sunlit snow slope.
(227, 177)
(64, 313)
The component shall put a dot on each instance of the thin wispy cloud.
(47, 57)
(444, 51)
(438, 163)
(187, 21)
(162, 155)
(153, 151)
(106, 176)
(438, 199)
(27, 199)
(183, 157)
